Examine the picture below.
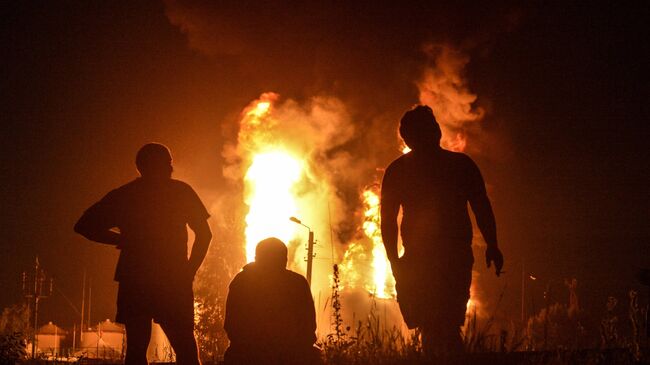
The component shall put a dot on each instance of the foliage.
(639, 321)
(15, 319)
(224, 259)
(12, 348)
(480, 338)
(14, 323)
(609, 325)
(369, 344)
(558, 326)
(554, 328)
(222, 262)
(210, 305)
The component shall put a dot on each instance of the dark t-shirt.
(433, 189)
(151, 217)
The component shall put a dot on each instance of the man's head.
(271, 253)
(154, 160)
(419, 128)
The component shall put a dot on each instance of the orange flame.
(270, 178)
(383, 282)
(269, 182)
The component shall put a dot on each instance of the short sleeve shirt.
(433, 190)
(152, 218)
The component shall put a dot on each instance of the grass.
(371, 343)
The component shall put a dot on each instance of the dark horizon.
(562, 145)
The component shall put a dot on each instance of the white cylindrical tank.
(48, 339)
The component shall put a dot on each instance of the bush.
(12, 348)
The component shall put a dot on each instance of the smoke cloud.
(444, 88)
(344, 86)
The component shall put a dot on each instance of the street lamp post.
(310, 249)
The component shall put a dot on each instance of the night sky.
(563, 142)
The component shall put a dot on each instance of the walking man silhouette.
(147, 219)
(433, 187)
(270, 316)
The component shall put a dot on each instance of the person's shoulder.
(125, 189)
(452, 154)
(458, 157)
(180, 184)
(402, 158)
(398, 162)
(294, 275)
(182, 187)
(239, 278)
(296, 278)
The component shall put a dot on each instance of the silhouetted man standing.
(147, 220)
(270, 317)
(433, 187)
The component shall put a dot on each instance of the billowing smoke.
(444, 88)
(312, 133)
(341, 114)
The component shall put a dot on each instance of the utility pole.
(310, 249)
(310, 256)
(90, 298)
(83, 306)
(35, 289)
(523, 293)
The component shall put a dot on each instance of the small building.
(106, 340)
(48, 340)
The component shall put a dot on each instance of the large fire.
(269, 181)
(270, 178)
(382, 276)
(277, 173)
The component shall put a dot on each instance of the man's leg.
(442, 344)
(138, 334)
(181, 337)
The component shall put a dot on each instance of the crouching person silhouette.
(147, 220)
(270, 317)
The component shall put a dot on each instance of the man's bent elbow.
(207, 237)
(82, 229)
(201, 230)
(205, 234)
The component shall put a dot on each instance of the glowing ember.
(269, 182)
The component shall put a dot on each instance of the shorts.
(163, 304)
(433, 287)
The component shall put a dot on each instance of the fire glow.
(275, 173)
(383, 282)
(279, 158)
(269, 182)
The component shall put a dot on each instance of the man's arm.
(480, 204)
(485, 220)
(96, 224)
(202, 238)
(389, 211)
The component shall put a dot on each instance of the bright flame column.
(269, 183)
